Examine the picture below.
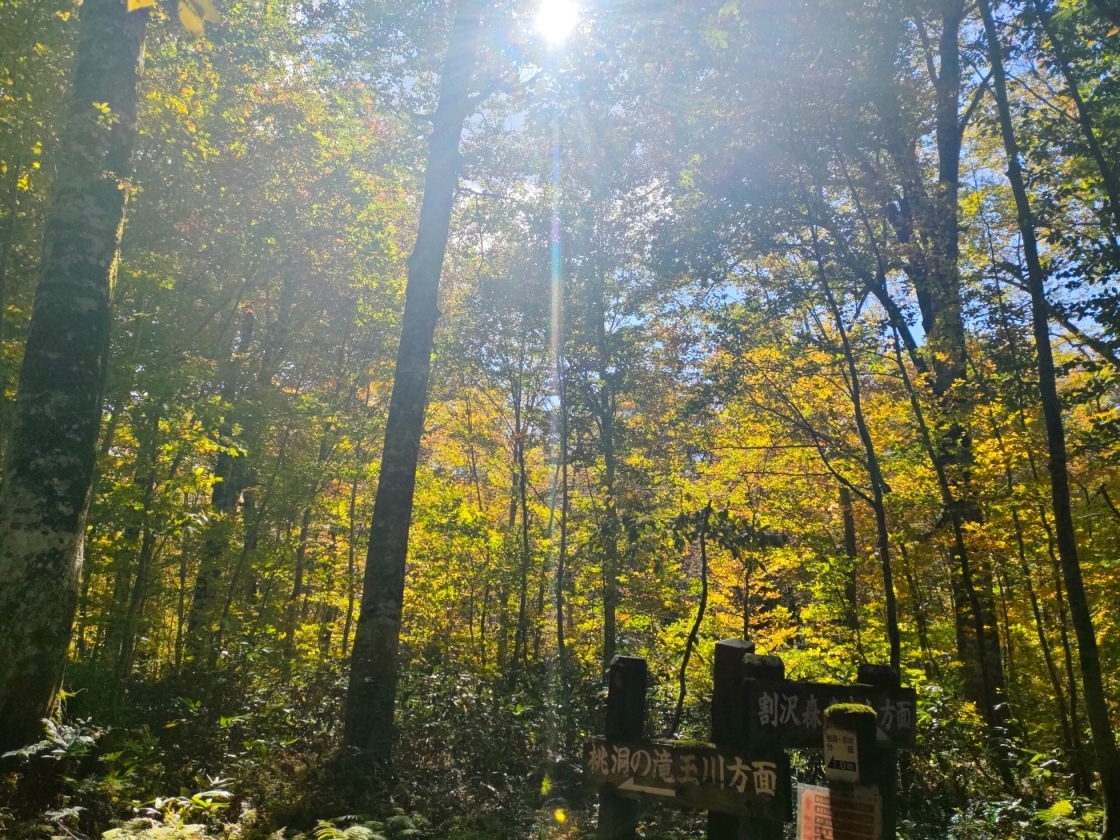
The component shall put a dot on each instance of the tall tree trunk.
(232, 477)
(604, 413)
(562, 554)
(694, 632)
(49, 464)
(292, 615)
(967, 601)
(371, 696)
(1096, 705)
(521, 640)
(351, 550)
(878, 484)
(927, 224)
(851, 551)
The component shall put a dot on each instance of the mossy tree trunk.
(49, 465)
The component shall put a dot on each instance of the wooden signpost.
(791, 714)
(742, 778)
(691, 775)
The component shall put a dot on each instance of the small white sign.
(841, 755)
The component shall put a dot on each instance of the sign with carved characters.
(692, 775)
(791, 714)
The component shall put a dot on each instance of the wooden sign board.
(790, 714)
(830, 814)
(691, 775)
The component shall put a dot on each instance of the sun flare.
(556, 19)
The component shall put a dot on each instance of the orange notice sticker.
(824, 814)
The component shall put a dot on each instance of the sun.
(556, 19)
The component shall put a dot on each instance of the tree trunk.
(694, 632)
(232, 473)
(851, 551)
(967, 602)
(878, 484)
(521, 640)
(371, 696)
(928, 227)
(49, 465)
(562, 554)
(351, 549)
(1096, 705)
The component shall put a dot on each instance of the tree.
(1104, 740)
(371, 696)
(49, 463)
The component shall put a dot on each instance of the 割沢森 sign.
(692, 775)
(791, 714)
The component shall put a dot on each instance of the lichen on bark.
(49, 463)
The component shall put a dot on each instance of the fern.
(326, 830)
(147, 829)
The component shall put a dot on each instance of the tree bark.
(371, 696)
(874, 470)
(851, 551)
(1096, 705)
(927, 224)
(231, 470)
(49, 464)
(694, 632)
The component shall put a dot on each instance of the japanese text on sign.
(692, 775)
(824, 814)
(841, 755)
(792, 713)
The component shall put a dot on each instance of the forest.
(375, 372)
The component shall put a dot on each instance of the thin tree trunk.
(694, 632)
(878, 484)
(562, 554)
(1096, 704)
(351, 549)
(232, 477)
(921, 620)
(605, 416)
(1067, 716)
(521, 639)
(851, 551)
(966, 599)
(371, 696)
(49, 464)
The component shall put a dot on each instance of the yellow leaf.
(133, 5)
(191, 21)
(206, 10)
(211, 14)
(1113, 31)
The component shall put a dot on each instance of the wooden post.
(727, 718)
(626, 721)
(759, 668)
(886, 759)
